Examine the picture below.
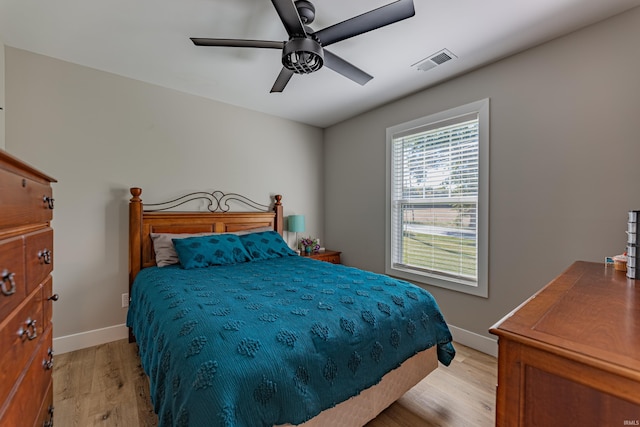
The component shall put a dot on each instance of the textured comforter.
(273, 341)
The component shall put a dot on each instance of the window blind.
(434, 199)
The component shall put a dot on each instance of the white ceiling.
(149, 41)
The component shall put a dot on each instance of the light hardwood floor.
(105, 386)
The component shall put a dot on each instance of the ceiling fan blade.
(345, 68)
(289, 16)
(376, 18)
(282, 80)
(237, 43)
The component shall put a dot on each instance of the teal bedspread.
(274, 341)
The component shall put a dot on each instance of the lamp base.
(297, 245)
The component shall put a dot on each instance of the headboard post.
(277, 207)
(135, 234)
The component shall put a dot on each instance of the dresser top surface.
(590, 310)
(11, 163)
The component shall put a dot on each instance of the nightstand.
(326, 256)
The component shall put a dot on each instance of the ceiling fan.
(304, 52)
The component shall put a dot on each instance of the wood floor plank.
(70, 368)
(462, 394)
(106, 386)
(71, 412)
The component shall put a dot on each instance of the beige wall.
(98, 134)
(565, 146)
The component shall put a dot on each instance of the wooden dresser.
(570, 355)
(26, 296)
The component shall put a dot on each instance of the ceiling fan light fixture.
(302, 55)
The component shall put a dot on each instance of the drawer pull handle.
(49, 201)
(53, 297)
(8, 278)
(48, 364)
(31, 331)
(49, 422)
(45, 255)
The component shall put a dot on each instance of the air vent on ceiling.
(434, 60)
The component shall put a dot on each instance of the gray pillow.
(163, 247)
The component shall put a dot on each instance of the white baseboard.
(475, 341)
(89, 338)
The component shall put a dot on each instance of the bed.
(239, 331)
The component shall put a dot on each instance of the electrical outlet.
(125, 300)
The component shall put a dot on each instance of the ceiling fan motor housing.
(302, 55)
(306, 11)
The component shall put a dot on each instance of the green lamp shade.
(296, 223)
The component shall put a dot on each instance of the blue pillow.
(216, 249)
(266, 245)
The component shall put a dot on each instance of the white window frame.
(481, 286)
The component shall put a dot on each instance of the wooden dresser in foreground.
(570, 355)
(26, 262)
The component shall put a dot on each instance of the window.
(437, 196)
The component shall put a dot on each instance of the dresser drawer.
(46, 409)
(333, 259)
(12, 275)
(22, 200)
(19, 338)
(39, 256)
(327, 256)
(34, 386)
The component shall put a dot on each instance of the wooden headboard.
(145, 219)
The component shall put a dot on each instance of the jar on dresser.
(26, 294)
